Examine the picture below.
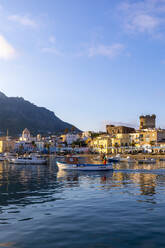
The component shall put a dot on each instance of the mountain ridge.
(16, 113)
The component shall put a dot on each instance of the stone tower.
(147, 121)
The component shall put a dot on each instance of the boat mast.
(7, 139)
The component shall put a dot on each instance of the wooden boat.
(84, 167)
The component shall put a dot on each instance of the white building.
(23, 146)
(86, 135)
(69, 138)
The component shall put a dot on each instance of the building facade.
(69, 138)
(101, 144)
(25, 135)
(6, 145)
(151, 136)
(147, 121)
(111, 129)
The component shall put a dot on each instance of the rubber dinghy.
(85, 167)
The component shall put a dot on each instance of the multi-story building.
(6, 145)
(134, 138)
(121, 140)
(151, 136)
(111, 129)
(69, 138)
(101, 144)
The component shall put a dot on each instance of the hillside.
(17, 114)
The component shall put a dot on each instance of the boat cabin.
(71, 160)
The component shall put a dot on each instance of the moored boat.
(2, 157)
(162, 159)
(28, 160)
(118, 159)
(147, 161)
(113, 160)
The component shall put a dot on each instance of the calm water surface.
(42, 207)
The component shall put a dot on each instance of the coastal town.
(116, 140)
(82, 125)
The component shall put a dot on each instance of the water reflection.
(29, 184)
(77, 176)
(20, 182)
(48, 204)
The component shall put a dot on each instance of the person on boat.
(104, 160)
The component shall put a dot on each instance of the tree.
(66, 130)
(94, 135)
(47, 146)
(33, 143)
(72, 129)
(152, 142)
(133, 143)
(21, 149)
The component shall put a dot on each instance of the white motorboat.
(130, 160)
(85, 167)
(2, 157)
(118, 158)
(9, 155)
(27, 160)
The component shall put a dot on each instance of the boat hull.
(85, 167)
(147, 161)
(113, 160)
(17, 161)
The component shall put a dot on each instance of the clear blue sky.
(91, 62)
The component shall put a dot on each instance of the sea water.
(43, 207)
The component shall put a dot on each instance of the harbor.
(82, 126)
(80, 208)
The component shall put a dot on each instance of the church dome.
(26, 131)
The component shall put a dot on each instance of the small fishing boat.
(147, 161)
(27, 160)
(85, 167)
(72, 163)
